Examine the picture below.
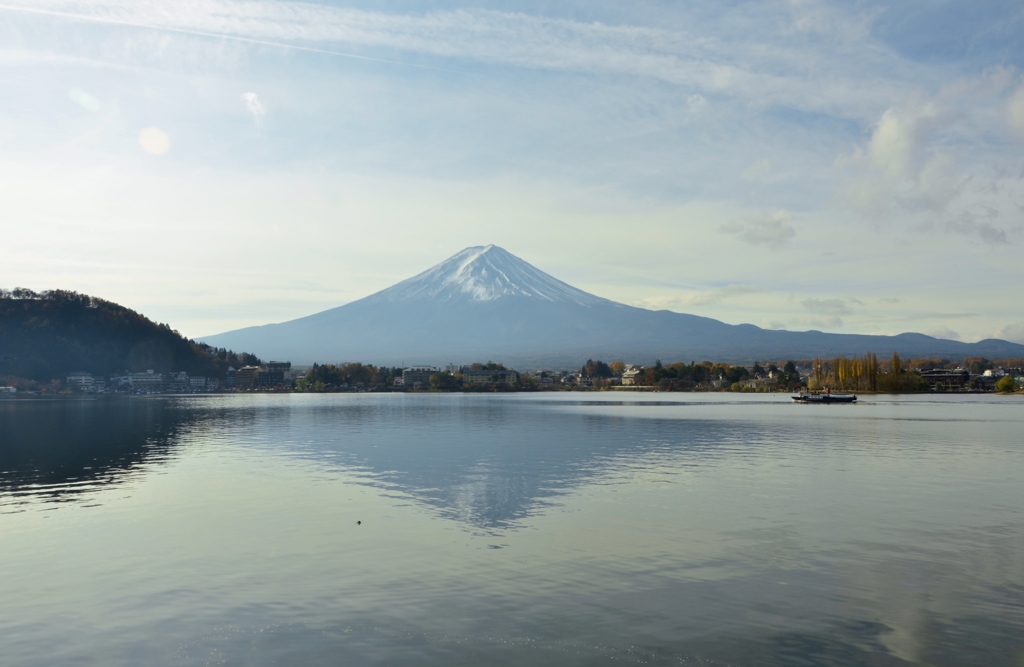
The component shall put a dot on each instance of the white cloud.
(897, 144)
(916, 172)
(771, 230)
(1012, 332)
(943, 332)
(252, 103)
(899, 167)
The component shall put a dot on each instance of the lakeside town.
(859, 374)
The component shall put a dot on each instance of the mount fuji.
(485, 303)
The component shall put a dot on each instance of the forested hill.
(50, 334)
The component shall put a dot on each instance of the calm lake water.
(550, 529)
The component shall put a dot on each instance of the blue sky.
(843, 166)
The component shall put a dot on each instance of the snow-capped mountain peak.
(485, 273)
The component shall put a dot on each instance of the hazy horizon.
(799, 165)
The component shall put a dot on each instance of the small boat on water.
(827, 397)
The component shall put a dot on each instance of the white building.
(80, 381)
(629, 377)
(148, 382)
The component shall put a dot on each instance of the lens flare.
(154, 141)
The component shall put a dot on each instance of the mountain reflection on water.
(478, 462)
(485, 463)
(56, 451)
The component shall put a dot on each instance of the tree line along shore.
(865, 374)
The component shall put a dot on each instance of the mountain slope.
(48, 335)
(485, 303)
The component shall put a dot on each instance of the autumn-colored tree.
(1006, 385)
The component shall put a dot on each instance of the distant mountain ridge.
(486, 303)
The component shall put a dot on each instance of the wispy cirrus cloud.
(827, 306)
(771, 230)
(701, 298)
(739, 61)
(828, 313)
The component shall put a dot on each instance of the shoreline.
(29, 396)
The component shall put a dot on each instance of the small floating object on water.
(359, 523)
(827, 397)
